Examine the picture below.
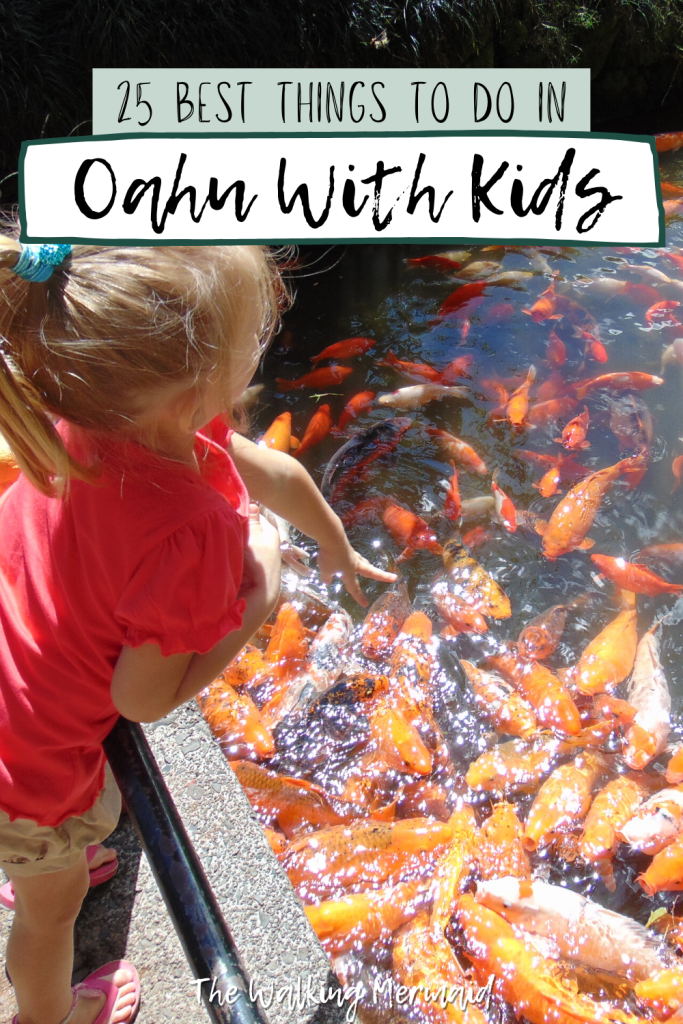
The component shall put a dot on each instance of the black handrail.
(202, 930)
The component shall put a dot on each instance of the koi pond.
(474, 785)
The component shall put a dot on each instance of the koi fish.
(563, 799)
(246, 669)
(320, 378)
(608, 659)
(351, 690)
(509, 713)
(672, 191)
(481, 506)
(345, 349)
(580, 930)
(555, 350)
(318, 428)
(595, 349)
(631, 423)
(457, 613)
(544, 306)
(453, 503)
(634, 380)
(573, 517)
(293, 803)
(366, 853)
(662, 992)
(383, 621)
(355, 407)
(477, 536)
(552, 409)
(235, 721)
(677, 469)
(461, 296)
(480, 268)
(510, 278)
(516, 766)
(648, 692)
(420, 372)
(472, 583)
(611, 809)
(525, 979)
(670, 554)
(279, 433)
(665, 872)
(659, 312)
(504, 509)
(453, 867)
(411, 669)
(540, 637)
(518, 405)
(574, 434)
(362, 450)
(667, 142)
(365, 918)
(456, 369)
(421, 394)
(551, 480)
(447, 261)
(633, 577)
(500, 851)
(673, 207)
(288, 643)
(551, 701)
(409, 531)
(397, 741)
(656, 823)
(459, 450)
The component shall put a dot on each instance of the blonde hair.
(113, 327)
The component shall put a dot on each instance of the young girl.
(133, 567)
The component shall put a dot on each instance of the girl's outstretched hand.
(343, 560)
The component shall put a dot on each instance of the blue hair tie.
(36, 262)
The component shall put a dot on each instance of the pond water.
(377, 293)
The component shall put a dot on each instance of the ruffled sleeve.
(183, 595)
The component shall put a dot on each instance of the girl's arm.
(281, 484)
(146, 685)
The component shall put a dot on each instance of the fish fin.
(405, 555)
(294, 443)
(555, 316)
(586, 544)
(540, 526)
(585, 444)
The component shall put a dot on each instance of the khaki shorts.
(29, 849)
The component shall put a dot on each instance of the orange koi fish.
(633, 577)
(674, 769)
(459, 450)
(560, 469)
(420, 372)
(609, 658)
(324, 377)
(667, 142)
(523, 978)
(447, 261)
(318, 428)
(563, 799)
(411, 667)
(551, 480)
(456, 369)
(509, 713)
(477, 536)
(596, 350)
(504, 509)
(662, 992)
(246, 669)
(665, 873)
(659, 311)
(555, 350)
(365, 918)
(631, 422)
(278, 842)
(544, 306)
(677, 470)
(293, 803)
(574, 434)
(452, 505)
(355, 407)
(366, 853)
(345, 349)
(461, 296)
(515, 766)
(500, 851)
(634, 380)
(648, 692)
(279, 433)
(573, 517)
(673, 207)
(656, 823)
(611, 809)
(235, 721)
(457, 613)
(410, 531)
(552, 409)
(671, 190)
(518, 405)
(425, 964)
(540, 637)
(453, 867)
(472, 583)
(397, 741)
(383, 621)
(288, 643)
(552, 703)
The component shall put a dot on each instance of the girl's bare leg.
(40, 950)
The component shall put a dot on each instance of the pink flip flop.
(98, 875)
(96, 980)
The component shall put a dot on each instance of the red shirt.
(150, 552)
